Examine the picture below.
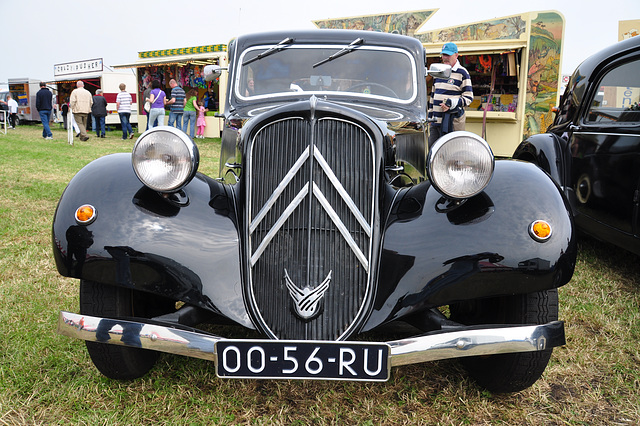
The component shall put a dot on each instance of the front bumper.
(468, 341)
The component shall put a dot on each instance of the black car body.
(592, 149)
(318, 236)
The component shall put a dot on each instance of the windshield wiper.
(277, 48)
(350, 48)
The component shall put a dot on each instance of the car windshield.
(366, 71)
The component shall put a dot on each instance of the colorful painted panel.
(498, 29)
(543, 75)
(405, 23)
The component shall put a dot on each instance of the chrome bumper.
(472, 341)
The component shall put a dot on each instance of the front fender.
(434, 255)
(184, 247)
(548, 151)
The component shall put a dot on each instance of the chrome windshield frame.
(241, 70)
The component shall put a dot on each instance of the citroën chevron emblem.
(307, 300)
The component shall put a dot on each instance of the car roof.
(622, 48)
(588, 70)
(332, 36)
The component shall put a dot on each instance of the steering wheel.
(382, 86)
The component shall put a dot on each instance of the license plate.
(278, 359)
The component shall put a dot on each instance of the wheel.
(384, 88)
(114, 361)
(515, 371)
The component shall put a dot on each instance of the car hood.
(394, 118)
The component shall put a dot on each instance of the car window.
(617, 100)
(368, 71)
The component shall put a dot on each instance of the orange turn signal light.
(85, 214)
(540, 230)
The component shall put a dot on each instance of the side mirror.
(212, 72)
(439, 70)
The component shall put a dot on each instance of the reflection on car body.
(592, 149)
(329, 222)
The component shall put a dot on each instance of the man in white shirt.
(13, 111)
(123, 104)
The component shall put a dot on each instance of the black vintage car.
(332, 247)
(592, 149)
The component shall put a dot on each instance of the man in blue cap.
(449, 96)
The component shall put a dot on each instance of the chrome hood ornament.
(307, 300)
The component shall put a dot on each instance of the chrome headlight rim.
(191, 158)
(482, 149)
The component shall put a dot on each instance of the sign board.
(80, 67)
(628, 29)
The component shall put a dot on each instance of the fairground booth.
(24, 92)
(186, 66)
(514, 63)
(96, 75)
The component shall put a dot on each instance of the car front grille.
(310, 219)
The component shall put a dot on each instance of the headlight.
(165, 159)
(460, 164)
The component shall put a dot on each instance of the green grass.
(46, 378)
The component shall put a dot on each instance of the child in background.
(201, 122)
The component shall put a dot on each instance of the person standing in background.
(44, 105)
(99, 111)
(202, 121)
(65, 112)
(190, 109)
(123, 105)
(449, 97)
(145, 96)
(177, 104)
(13, 111)
(158, 99)
(81, 102)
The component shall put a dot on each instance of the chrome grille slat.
(327, 231)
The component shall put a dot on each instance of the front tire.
(511, 372)
(101, 300)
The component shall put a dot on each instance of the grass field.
(46, 378)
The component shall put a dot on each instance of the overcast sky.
(37, 34)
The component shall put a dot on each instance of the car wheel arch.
(547, 151)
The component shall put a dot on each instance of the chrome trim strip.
(473, 341)
(317, 192)
(631, 126)
(146, 336)
(281, 220)
(341, 191)
(239, 74)
(279, 190)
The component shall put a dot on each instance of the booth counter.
(186, 66)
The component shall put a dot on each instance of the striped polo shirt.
(457, 86)
(124, 99)
(178, 93)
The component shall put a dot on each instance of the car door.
(605, 150)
